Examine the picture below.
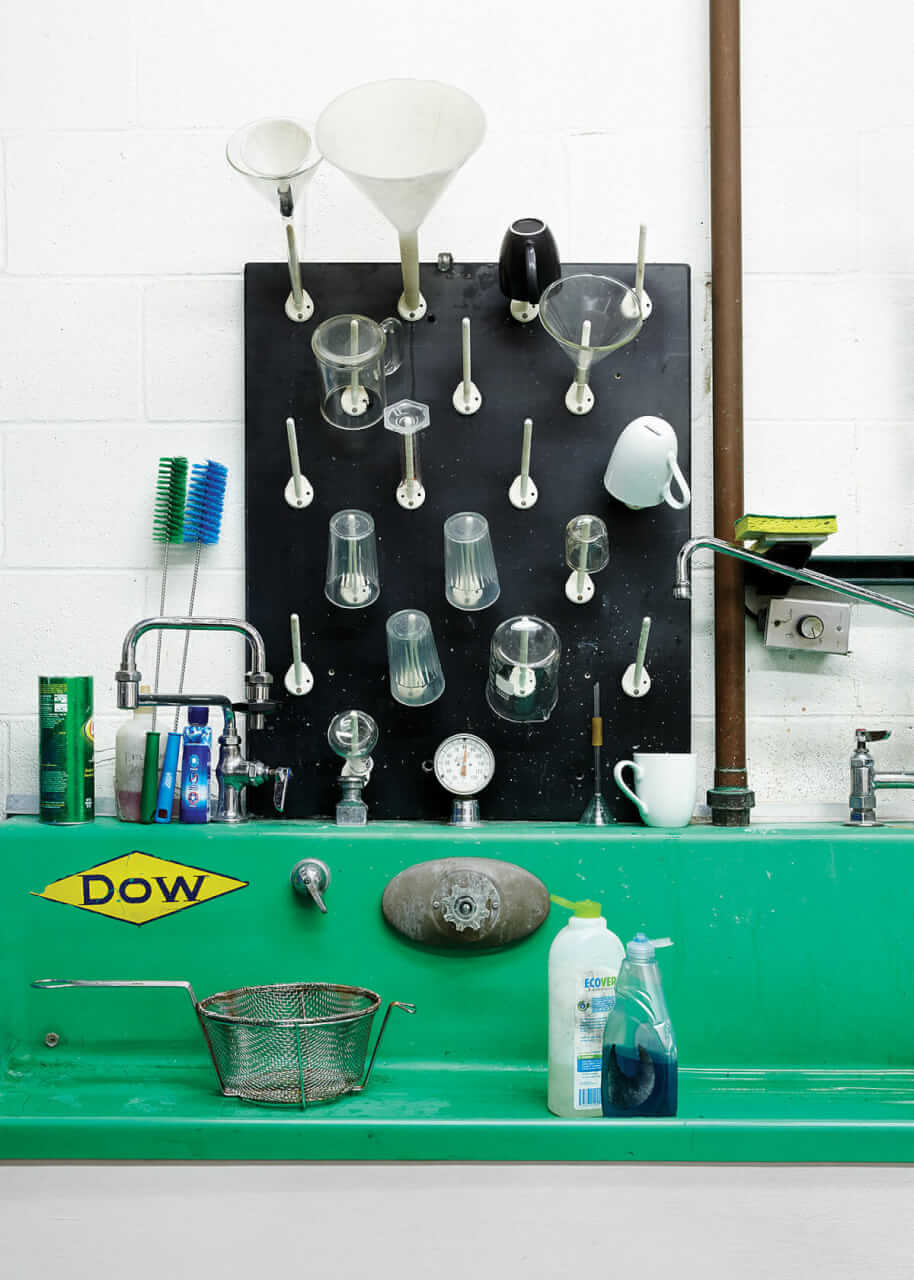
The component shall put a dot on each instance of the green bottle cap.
(585, 910)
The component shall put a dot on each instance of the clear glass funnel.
(279, 158)
(401, 142)
(589, 317)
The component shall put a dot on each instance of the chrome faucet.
(257, 681)
(234, 773)
(682, 589)
(865, 781)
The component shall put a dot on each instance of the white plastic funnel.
(401, 142)
(279, 159)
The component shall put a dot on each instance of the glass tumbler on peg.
(586, 552)
(589, 317)
(416, 678)
(354, 356)
(279, 158)
(470, 573)
(528, 263)
(353, 580)
(524, 656)
(401, 142)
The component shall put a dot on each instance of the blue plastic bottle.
(640, 1062)
(198, 740)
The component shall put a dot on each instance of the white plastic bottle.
(129, 754)
(584, 962)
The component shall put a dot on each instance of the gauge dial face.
(464, 764)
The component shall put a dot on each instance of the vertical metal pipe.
(730, 799)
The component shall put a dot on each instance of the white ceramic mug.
(642, 467)
(665, 784)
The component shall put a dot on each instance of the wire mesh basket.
(290, 1043)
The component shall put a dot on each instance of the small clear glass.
(354, 355)
(470, 574)
(586, 552)
(524, 659)
(416, 678)
(353, 580)
(353, 735)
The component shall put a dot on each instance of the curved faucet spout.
(254, 638)
(682, 588)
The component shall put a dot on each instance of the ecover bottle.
(584, 962)
(640, 1062)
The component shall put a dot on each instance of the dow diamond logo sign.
(138, 887)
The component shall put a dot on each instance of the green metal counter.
(789, 985)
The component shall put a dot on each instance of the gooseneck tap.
(257, 681)
(234, 773)
(682, 589)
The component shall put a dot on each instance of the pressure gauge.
(464, 765)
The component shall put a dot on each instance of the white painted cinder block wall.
(123, 234)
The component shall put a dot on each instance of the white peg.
(354, 399)
(636, 682)
(299, 679)
(467, 397)
(298, 491)
(523, 492)
(641, 293)
(579, 398)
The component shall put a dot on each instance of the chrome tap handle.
(311, 876)
(871, 735)
(281, 776)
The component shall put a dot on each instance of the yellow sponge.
(766, 531)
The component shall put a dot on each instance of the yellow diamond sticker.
(138, 887)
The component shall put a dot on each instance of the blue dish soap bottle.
(640, 1062)
(198, 740)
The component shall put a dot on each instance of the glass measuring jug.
(354, 355)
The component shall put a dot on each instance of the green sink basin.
(789, 986)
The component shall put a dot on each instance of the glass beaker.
(470, 575)
(524, 656)
(353, 580)
(416, 678)
(354, 355)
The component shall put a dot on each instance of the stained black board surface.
(542, 771)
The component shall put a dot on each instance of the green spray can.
(66, 749)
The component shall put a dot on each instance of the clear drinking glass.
(353, 580)
(354, 354)
(470, 574)
(586, 552)
(524, 657)
(416, 678)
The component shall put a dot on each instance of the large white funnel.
(401, 142)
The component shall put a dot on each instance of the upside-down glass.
(353, 580)
(470, 574)
(586, 552)
(416, 678)
(524, 656)
(354, 354)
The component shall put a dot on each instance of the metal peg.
(523, 492)
(299, 679)
(467, 397)
(636, 682)
(298, 491)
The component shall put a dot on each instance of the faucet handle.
(280, 776)
(871, 735)
(311, 876)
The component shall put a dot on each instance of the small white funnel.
(278, 158)
(401, 142)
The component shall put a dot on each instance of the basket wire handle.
(54, 984)
(394, 1004)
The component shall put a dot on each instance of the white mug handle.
(676, 474)
(623, 785)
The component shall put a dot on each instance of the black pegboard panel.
(543, 771)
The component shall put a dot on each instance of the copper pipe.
(727, 391)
